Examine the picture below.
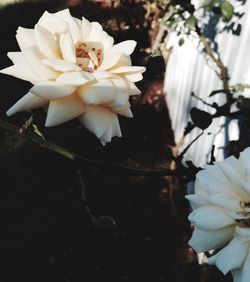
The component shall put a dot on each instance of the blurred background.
(46, 234)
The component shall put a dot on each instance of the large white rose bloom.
(221, 215)
(77, 71)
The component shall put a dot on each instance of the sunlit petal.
(74, 27)
(63, 110)
(16, 57)
(67, 47)
(100, 93)
(61, 65)
(21, 71)
(75, 78)
(52, 90)
(134, 77)
(52, 23)
(26, 103)
(47, 43)
(125, 47)
(99, 120)
(25, 37)
(34, 57)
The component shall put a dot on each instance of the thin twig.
(25, 127)
(223, 70)
(84, 199)
(159, 37)
(73, 156)
(189, 145)
(203, 101)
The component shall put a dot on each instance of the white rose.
(221, 215)
(77, 71)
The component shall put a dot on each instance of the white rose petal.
(120, 101)
(61, 65)
(237, 275)
(133, 89)
(52, 23)
(102, 74)
(73, 26)
(221, 215)
(112, 130)
(99, 120)
(203, 240)
(25, 37)
(196, 201)
(232, 256)
(46, 43)
(63, 110)
(100, 93)
(77, 71)
(124, 112)
(243, 234)
(245, 275)
(26, 103)
(75, 78)
(110, 59)
(16, 57)
(129, 70)
(67, 47)
(215, 218)
(34, 58)
(124, 61)
(52, 90)
(125, 47)
(134, 77)
(21, 71)
(85, 30)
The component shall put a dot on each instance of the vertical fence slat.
(188, 70)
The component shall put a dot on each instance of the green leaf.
(216, 3)
(201, 118)
(172, 10)
(210, 4)
(227, 11)
(207, 3)
(173, 24)
(181, 41)
(191, 22)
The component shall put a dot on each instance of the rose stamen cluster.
(88, 60)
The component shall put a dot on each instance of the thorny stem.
(224, 76)
(36, 139)
(75, 157)
(27, 124)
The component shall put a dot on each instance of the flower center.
(244, 222)
(88, 59)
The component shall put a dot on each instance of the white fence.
(189, 70)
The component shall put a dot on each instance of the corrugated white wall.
(190, 70)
